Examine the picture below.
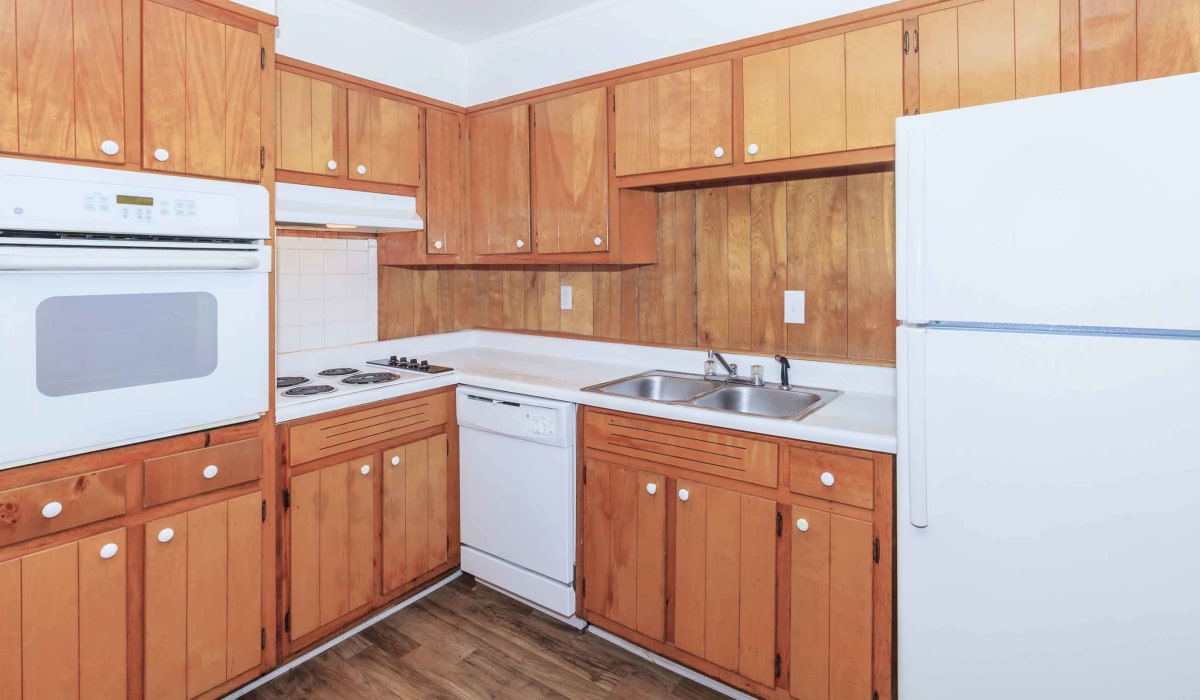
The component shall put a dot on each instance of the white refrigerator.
(1048, 486)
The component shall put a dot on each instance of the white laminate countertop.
(863, 417)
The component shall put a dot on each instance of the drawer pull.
(165, 535)
(365, 469)
(802, 525)
(210, 472)
(109, 550)
(51, 510)
(683, 494)
(395, 460)
(827, 478)
(651, 488)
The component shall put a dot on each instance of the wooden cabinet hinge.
(264, 510)
(287, 499)
(263, 637)
(614, 98)
(875, 550)
(447, 541)
(874, 695)
(778, 665)
(778, 524)
(906, 42)
(585, 473)
(614, 160)
(583, 587)
(262, 57)
(262, 157)
(287, 621)
(916, 41)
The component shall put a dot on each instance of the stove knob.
(424, 365)
(392, 360)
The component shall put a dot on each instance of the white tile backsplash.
(328, 292)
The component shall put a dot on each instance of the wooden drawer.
(680, 445)
(853, 478)
(187, 474)
(351, 431)
(86, 498)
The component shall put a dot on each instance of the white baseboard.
(669, 665)
(263, 680)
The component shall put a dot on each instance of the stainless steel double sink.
(719, 394)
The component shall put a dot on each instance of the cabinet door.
(676, 120)
(332, 543)
(415, 511)
(874, 85)
(63, 631)
(62, 85)
(445, 183)
(570, 146)
(308, 120)
(201, 105)
(818, 96)
(831, 601)
(624, 546)
(499, 181)
(725, 578)
(766, 96)
(384, 139)
(203, 597)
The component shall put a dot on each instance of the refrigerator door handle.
(912, 424)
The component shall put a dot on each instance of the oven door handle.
(108, 260)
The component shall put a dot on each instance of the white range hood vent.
(330, 209)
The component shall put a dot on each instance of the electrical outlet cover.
(793, 307)
(565, 291)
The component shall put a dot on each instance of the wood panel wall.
(726, 255)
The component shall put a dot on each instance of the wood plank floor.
(468, 641)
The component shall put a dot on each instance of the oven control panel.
(139, 209)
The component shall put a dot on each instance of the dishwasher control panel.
(540, 423)
(525, 417)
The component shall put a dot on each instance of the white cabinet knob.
(827, 478)
(210, 471)
(718, 152)
(332, 165)
(395, 460)
(165, 535)
(752, 149)
(683, 494)
(161, 155)
(362, 170)
(51, 510)
(802, 525)
(652, 488)
(437, 245)
(365, 469)
(598, 240)
(109, 147)
(108, 551)
(520, 243)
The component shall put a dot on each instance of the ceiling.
(470, 21)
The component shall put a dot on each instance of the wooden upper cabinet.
(624, 551)
(202, 95)
(445, 183)
(675, 121)
(832, 94)
(62, 79)
(724, 593)
(384, 139)
(202, 597)
(988, 51)
(499, 181)
(570, 189)
(63, 627)
(832, 594)
(309, 123)
(416, 500)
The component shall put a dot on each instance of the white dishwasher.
(517, 466)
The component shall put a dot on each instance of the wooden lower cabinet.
(203, 597)
(781, 591)
(63, 621)
(416, 536)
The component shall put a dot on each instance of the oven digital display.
(134, 200)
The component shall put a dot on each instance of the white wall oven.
(132, 306)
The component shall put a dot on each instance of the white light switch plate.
(565, 291)
(793, 307)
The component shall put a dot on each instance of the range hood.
(328, 208)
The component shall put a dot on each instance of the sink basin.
(659, 387)
(759, 401)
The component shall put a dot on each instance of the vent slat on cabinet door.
(337, 434)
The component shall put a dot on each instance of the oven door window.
(113, 341)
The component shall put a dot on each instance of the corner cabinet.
(499, 181)
(203, 73)
(370, 511)
(763, 562)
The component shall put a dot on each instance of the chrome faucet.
(730, 370)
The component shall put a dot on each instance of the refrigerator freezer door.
(1078, 209)
(1060, 556)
